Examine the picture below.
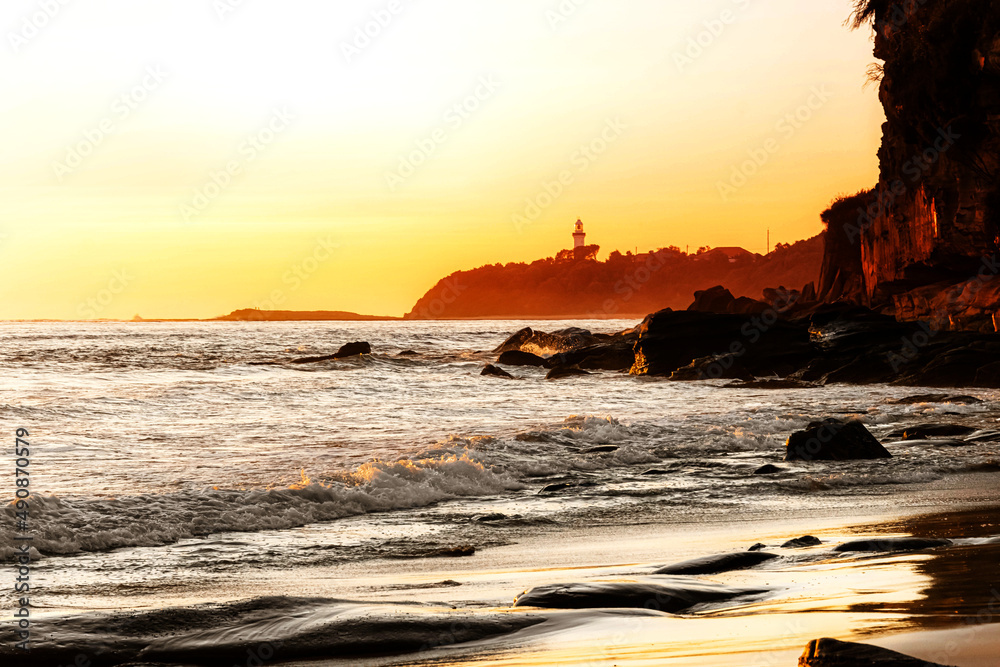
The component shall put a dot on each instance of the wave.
(62, 526)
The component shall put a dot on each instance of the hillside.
(622, 286)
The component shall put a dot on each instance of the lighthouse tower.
(579, 236)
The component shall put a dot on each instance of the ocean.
(162, 451)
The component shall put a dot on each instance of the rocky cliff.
(934, 217)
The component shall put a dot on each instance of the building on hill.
(579, 240)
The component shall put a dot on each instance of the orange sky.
(185, 158)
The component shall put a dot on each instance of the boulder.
(928, 431)
(764, 346)
(802, 542)
(713, 300)
(565, 372)
(518, 358)
(671, 598)
(515, 341)
(767, 469)
(349, 350)
(833, 653)
(493, 371)
(739, 560)
(890, 544)
(834, 440)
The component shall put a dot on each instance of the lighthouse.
(579, 236)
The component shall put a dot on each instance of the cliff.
(934, 216)
(625, 285)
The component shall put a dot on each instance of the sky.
(185, 158)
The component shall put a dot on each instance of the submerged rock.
(833, 653)
(565, 372)
(772, 384)
(936, 398)
(926, 431)
(348, 350)
(671, 598)
(493, 371)
(801, 542)
(739, 560)
(601, 449)
(518, 358)
(767, 469)
(890, 544)
(834, 440)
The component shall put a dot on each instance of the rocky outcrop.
(718, 563)
(891, 544)
(493, 371)
(834, 440)
(931, 224)
(834, 653)
(348, 350)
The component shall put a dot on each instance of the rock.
(739, 560)
(936, 398)
(936, 442)
(763, 346)
(487, 518)
(772, 384)
(349, 350)
(757, 547)
(714, 300)
(565, 372)
(493, 371)
(518, 358)
(714, 367)
(834, 440)
(801, 542)
(767, 469)
(515, 341)
(408, 353)
(446, 552)
(833, 653)
(986, 435)
(655, 472)
(555, 488)
(890, 544)
(672, 598)
(925, 431)
(601, 449)
(615, 354)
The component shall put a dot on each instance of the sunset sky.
(184, 158)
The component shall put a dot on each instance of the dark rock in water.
(349, 350)
(889, 544)
(671, 598)
(801, 542)
(936, 398)
(925, 431)
(518, 358)
(757, 547)
(602, 449)
(654, 472)
(493, 371)
(555, 488)
(833, 653)
(565, 372)
(616, 354)
(739, 560)
(764, 345)
(772, 384)
(767, 469)
(408, 353)
(986, 435)
(714, 367)
(834, 440)
(487, 518)
(515, 341)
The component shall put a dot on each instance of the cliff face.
(935, 213)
